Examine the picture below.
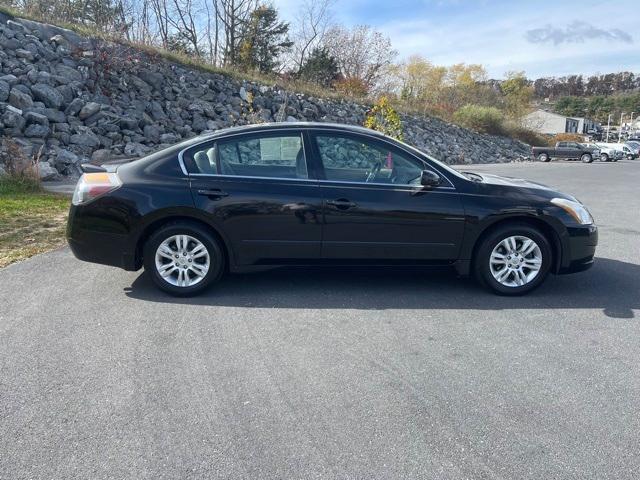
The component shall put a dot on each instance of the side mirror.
(430, 179)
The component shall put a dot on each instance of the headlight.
(575, 209)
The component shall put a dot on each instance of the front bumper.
(579, 249)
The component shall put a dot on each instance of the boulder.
(5, 88)
(48, 95)
(89, 109)
(86, 138)
(46, 171)
(19, 99)
(35, 130)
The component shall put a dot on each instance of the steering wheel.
(374, 171)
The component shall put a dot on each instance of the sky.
(541, 37)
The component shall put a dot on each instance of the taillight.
(92, 185)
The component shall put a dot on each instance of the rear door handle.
(217, 193)
(342, 203)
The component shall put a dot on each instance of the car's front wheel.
(543, 157)
(586, 158)
(513, 259)
(604, 157)
(183, 258)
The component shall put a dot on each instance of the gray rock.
(88, 110)
(64, 158)
(35, 130)
(23, 53)
(69, 73)
(46, 171)
(152, 133)
(74, 107)
(5, 88)
(13, 119)
(48, 95)
(86, 139)
(16, 27)
(35, 117)
(169, 138)
(10, 79)
(135, 149)
(100, 156)
(19, 99)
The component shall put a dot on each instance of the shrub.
(352, 87)
(566, 137)
(21, 172)
(481, 119)
(384, 118)
(527, 136)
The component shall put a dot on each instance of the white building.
(550, 123)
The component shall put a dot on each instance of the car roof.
(264, 127)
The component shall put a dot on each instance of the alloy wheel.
(182, 260)
(515, 261)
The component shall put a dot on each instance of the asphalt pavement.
(346, 374)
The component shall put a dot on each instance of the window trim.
(307, 135)
(374, 139)
(297, 132)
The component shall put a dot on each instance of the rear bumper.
(93, 242)
(579, 249)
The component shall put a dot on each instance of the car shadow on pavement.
(611, 285)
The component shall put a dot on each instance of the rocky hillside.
(68, 99)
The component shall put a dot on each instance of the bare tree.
(312, 22)
(161, 14)
(183, 22)
(233, 16)
(362, 53)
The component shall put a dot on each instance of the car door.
(374, 206)
(257, 188)
(562, 151)
(573, 150)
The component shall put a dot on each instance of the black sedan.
(263, 196)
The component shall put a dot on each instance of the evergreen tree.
(319, 68)
(264, 38)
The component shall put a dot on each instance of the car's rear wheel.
(543, 157)
(586, 158)
(513, 259)
(183, 258)
(604, 157)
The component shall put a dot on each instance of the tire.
(614, 160)
(543, 157)
(586, 158)
(195, 271)
(604, 157)
(629, 157)
(487, 267)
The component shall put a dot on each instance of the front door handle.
(341, 203)
(214, 194)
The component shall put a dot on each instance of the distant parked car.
(634, 146)
(566, 150)
(608, 153)
(624, 150)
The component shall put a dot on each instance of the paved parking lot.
(359, 375)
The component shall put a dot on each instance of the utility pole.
(620, 131)
(608, 127)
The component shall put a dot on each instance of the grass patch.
(31, 220)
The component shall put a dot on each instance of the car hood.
(522, 184)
